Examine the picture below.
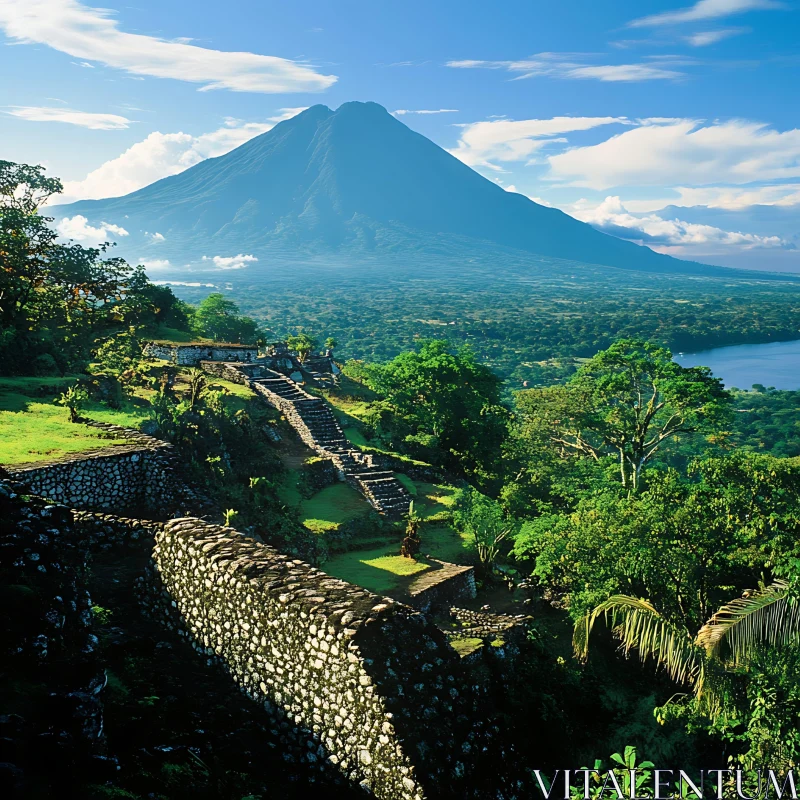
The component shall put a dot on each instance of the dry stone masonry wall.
(190, 355)
(46, 640)
(318, 428)
(141, 474)
(443, 586)
(353, 682)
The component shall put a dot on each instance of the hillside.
(347, 184)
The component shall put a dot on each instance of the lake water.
(775, 364)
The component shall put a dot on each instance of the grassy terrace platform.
(380, 568)
(33, 428)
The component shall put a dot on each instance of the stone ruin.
(360, 687)
(191, 354)
(319, 429)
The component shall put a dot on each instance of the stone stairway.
(314, 421)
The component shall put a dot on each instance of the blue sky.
(609, 110)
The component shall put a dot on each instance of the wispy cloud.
(402, 111)
(704, 38)
(85, 119)
(505, 140)
(704, 10)
(735, 198)
(90, 34)
(79, 229)
(231, 262)
(161, 155)
(567, 67)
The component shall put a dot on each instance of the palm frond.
(765, 617)
(638, 625)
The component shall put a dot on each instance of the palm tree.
(729, 640)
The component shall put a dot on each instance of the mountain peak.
(351, 181)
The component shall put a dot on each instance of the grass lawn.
(466, 646)
(33, 428)
(381, 569)
(332, 506)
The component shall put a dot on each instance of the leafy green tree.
(330, 343)
(56, 298)
(484, 520)
(681, 543)
(627, 401)
(120, 353)
(302, 343)
(732, 643)
(73, 399)
(448, 395)
(411, 543)
(218, 318)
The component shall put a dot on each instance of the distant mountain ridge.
(350, 183)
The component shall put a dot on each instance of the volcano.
(347, 184)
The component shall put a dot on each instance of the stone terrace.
(316, 425)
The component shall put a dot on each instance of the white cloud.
(401, 111)
(159, 156)
(503, 140)
(79, 229)
(665, 152)
(155, 237)
(85, 119)
(705, 10)
(787, 194)
(154, 263)
(231, 262)
(91, 34)
(612, 217)
(704, 38)
(556, 65)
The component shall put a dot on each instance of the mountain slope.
(351, 182)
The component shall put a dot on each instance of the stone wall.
(190, 355)
(123, 478)
(51, 717)
(142, 474)
(108, 531)
(442, 587)
(353, 682)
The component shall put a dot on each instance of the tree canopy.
(450, 397)
(218, 318)
(626, 401)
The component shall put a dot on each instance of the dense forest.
(527, 321)
(650, 517)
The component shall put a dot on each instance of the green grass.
(433, 500)
(33, 428)
(380, 569)
(407, 483)
(354, 436)
(466, 646)
(332, 506)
